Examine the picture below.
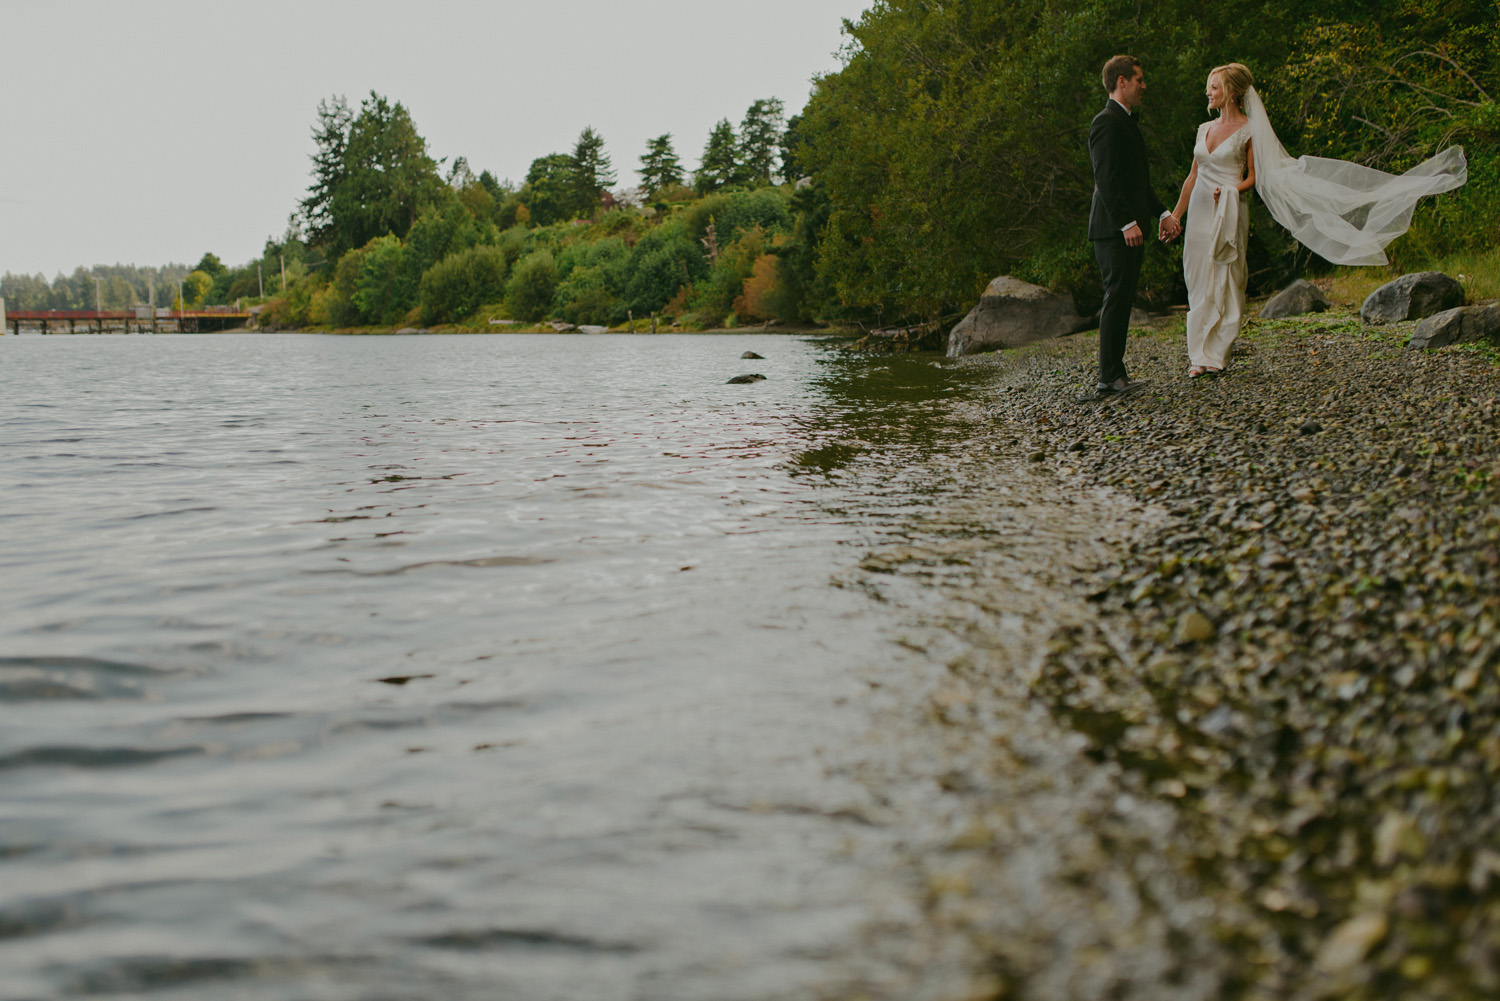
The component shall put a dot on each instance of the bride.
(1342, 211)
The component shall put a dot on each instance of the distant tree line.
(120, 286)
(403, 239)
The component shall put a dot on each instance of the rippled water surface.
(469, 667)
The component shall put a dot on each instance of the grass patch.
(1477, 271)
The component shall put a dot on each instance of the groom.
(1123, 205)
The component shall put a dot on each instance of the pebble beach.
(1283, 665)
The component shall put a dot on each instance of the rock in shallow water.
(1011, 313)
(745, 380)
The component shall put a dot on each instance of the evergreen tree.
(660, 167)
(331, 137)
(792, 168)
(760, 140)
(591, 171)
(371, 174)
(720, 164)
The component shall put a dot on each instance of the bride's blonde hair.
(1236, 78)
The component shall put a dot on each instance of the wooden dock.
(140, 321)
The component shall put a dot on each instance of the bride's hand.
(1216, 195)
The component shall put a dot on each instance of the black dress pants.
(1120, 266)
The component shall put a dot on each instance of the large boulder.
(1412, 297)
(1297, 299)
(1011, 313)
(1459, 326)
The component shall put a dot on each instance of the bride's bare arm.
(1187, 192)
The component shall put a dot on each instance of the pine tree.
(760, 140)
(371, 174)
(660, 167)
(591, 170)
(720, 165)
(331, 137)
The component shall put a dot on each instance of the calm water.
(469, 667)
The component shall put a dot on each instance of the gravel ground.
(1298, 663)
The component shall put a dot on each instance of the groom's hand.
(1134, 237)
(1171, 229)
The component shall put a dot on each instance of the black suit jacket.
(1122, 178)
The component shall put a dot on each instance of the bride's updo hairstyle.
(1235, 78)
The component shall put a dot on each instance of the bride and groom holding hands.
(1343, 211)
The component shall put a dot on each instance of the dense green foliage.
(953, 145)
(462, 282)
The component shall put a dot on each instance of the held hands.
(1170, 229)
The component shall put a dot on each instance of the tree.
(195, 288)
(331, 139)
(791, 144)
(760, 140)
(660, 167)
(592, 172)
(211, 265)
(371, 175)
(720, 164)
(548, 191)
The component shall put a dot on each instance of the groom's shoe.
(1120, 387)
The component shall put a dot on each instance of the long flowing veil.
(1339, 210)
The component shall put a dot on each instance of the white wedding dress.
(1213, 248)
(1345, 212)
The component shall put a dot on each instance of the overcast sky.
(152, 131)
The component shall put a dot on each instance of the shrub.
(755, 301)
(439, 232)
(380, 289)
(529, 295)
(456, 286)
(342, 310)
(736, 212)
(585, 297)
(726, 282)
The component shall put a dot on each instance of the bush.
(439, 232)
(339, 302)
(529, 295)
(585, 297)
(755, 301)
(380, 289)
(736, 212)
(456, 286)
(726, 282)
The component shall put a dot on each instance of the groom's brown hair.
(1117, 67)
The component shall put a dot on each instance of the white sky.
(151, 131)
